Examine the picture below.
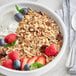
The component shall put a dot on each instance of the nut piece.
(48, 23)
(31, 29)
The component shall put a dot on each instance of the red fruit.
(41, 60)
(23, 62)
(14, 55)
(32, 60)
(51, 51)
(8, 64)
(10, 38)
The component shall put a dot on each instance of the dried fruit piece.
(59, 37)
(40, 13)
(2, 53)
(43, 47)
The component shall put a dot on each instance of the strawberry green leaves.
(19, 10)
(9, 45)
(36, 65)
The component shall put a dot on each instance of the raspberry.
(10, 38)
(51, 51)
(8, 64)
(14, 55)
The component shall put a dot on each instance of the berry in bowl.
(35, 44)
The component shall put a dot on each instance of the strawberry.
(41, 60)
(8, 64)
(14, 55)
(32, 60)
(23, 62)
(51, 51)
(10, 38)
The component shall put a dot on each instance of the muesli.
(36, 42)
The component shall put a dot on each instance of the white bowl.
(52, 14)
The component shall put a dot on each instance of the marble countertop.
(60, 68)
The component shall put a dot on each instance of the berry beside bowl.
(38, 43)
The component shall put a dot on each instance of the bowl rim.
(56, 60)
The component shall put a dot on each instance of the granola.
(35, 32)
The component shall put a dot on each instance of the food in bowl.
(36, 42)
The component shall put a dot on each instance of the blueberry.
(2, 42)
(27, 67)
(24, 11)
(17, 64)
(18, 17)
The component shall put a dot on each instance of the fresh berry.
(51, 51)
(18, 17)
(17, 64)
(32, 60)
(10, 38)
(23, 62)
(41, 60)
(43, 47)
(27, 67)
(14, 55)
(8, 64)
(2, 42)
(24, 11)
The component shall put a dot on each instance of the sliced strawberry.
(8, 64)
(32, 60)
(41, 60)
(51, 51)
(14, 55)
(23, 62)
